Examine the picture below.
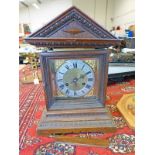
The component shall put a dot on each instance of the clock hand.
(82, 76)
(75, 80)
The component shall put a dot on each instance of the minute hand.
(83, 75)
(75, 80)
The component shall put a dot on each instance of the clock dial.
(75, 78)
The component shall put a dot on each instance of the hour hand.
(75, 80)
(82, 76)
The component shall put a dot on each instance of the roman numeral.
(61, 73)
(62, 86)
(59, 80)
(90, 79)
(88, 73)
(67, 91)
(75, 64)
(75, 93)
(83, 91)
(67, 67)
(88, 86)
(82, 67)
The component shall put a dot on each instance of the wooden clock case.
(73, 30)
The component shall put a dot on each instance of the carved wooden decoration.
(72, 28)
(74, 80)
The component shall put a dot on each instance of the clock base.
(76, 121)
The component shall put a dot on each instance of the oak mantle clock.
(74, 70)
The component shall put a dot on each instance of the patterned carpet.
(31, 105)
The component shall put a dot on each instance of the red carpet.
(31, 106)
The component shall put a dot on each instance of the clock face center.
(75, 78)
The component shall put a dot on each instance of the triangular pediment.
(72, 29)
(72, 24)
